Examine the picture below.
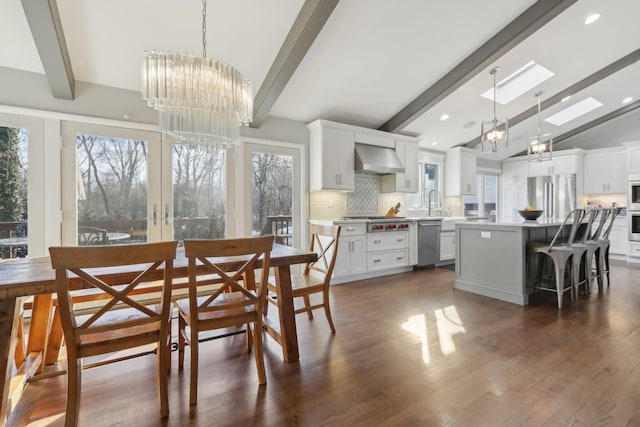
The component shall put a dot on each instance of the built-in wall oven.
(633, 207)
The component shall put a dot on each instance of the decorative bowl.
(530, 215)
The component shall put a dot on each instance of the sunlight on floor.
(448, 324)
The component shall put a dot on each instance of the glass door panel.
(199, 192)
(13, 192)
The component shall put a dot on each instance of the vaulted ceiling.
(384, 64)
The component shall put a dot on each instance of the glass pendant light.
(494, 134)
(540, 146)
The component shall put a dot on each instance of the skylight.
(523, 80)
(576, 110)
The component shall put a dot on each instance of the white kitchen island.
(491, 256)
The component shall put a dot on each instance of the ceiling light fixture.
(540, 146)
(566, 98)
(494, 134)
(517, 83)
(444, 117)
(591, 18)
(627, 100)
(573, 112)
(200, 101)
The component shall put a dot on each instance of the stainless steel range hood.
(377, 160)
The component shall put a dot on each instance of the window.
(430, 176)
(485, 203)
(13, 192)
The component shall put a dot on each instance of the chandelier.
(540, 147)
(494, 134)
(200, 101)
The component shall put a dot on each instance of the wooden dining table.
(25, 277)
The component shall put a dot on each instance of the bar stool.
(603, 249)
(580, 259)
(593, 249)
(559, 254)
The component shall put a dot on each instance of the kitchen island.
(491, 256)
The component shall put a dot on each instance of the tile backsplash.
(364, 198)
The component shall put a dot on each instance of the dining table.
(21, 278)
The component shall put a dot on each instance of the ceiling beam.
(596, 122)
(506, 39)
(610, 69)
(312, 17)
(46, 28)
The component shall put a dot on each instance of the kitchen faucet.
(429, 199)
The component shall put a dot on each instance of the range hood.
(377, 160)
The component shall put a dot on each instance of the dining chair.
(593, 249)
(317, 275)
(121, 323)
(559, 254)
(236, 302)
(92, 236)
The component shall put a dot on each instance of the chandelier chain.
(204, 28)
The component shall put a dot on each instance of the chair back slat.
(604, 215)
(246, 254)
(324, 242)
(592, 214)
(576, 217)
(613, 212)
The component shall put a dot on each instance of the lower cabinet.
(387, 250)
(447, 245)
(619, 237)
(352, 256)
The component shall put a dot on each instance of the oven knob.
(391, 226)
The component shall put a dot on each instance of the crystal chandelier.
(494, 134)
(200, 101)
(540, 147)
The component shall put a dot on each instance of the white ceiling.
(371, 58)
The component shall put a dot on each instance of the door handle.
(166, 214)
(154, 214)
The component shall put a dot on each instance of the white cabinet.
(604, 172)
(560, 164)
(331, 165)
(515, 172)
(387, 250)
(460, 172)
(514, 198)
(619, 237)
(406, 182)
(413, 243)
(633, 156)
(352, 250)
(447, 245)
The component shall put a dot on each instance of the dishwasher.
(428, 243)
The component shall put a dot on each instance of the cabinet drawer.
(388, 259)
(352, 229)
(634, 249)
(389, 240)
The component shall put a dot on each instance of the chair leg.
(182, 328)
(55, 338)
(598, 269)
(163, 376)
(575, 264)
(606, 262)
(327, 309)
(74, 373)
(259, 351)
(193, 377)
(559, 271)
(307, 305)
(249, 337)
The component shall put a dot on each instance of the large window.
(430, 176)
(13, 192)
(485, 202)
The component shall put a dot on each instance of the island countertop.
(539, 223)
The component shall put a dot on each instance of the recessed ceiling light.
(470, 124)
(444, 117)
(591, 18)
(434, 143)
(576, 110)
(566, 98)
(524, 79)
(627, 100)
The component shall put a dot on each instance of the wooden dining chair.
(317, 275)
(92, 236)
(236, 302)
(121, 323)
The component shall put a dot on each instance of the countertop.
(540, 222)
(408, 218)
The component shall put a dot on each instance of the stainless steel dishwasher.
(428, 242)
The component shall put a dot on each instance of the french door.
(134, 186)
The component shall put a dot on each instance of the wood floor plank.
(409, 351)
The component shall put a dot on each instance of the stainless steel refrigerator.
(554, 194)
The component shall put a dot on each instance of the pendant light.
(540, 146)
(494, 134)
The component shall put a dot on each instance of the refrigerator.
(554, 194)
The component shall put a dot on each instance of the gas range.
(384, 223)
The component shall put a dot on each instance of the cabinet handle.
(408, 183)
(340, 179)
(353, 246)
(400, 240)
(350, 228)
(376, 260)
(376, 241)
(399, 257)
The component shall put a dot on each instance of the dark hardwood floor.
(409, 350)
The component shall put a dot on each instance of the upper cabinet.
(515, 172)
(331, 157)
(460, 172)
(633, 156)
(560, 164)
(604, 172)
(406, 182)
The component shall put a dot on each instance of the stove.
(383, 223)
